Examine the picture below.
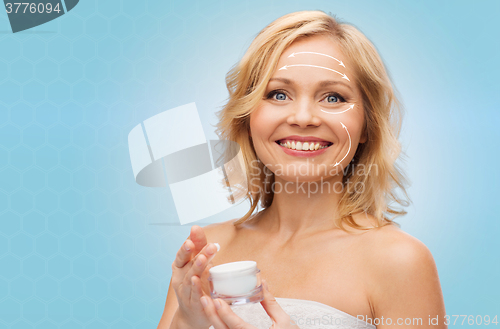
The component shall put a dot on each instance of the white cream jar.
(237, 282)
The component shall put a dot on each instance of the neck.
(303, 207)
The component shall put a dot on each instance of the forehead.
(314, 57)
(318, 43)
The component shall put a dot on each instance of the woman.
(315, 114)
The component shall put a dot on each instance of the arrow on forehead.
(321, 67)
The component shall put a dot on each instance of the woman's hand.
(189, 265)
(222, 316)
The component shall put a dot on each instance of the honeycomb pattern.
(81, 244)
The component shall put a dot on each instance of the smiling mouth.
(303, 146)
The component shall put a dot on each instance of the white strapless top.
(307, 314)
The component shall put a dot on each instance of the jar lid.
(233, 269)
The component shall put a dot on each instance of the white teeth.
(306, 146)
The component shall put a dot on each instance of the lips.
(303, 143)
(303, 139)
(300, 149)
(299, 146)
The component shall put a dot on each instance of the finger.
(198, 237)
(271, 306)
(197, 267)
(196, 291)
(183, 255)
(201, 260)
(205, 285)
(211, 313)
(229, 317)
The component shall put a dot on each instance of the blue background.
(83, 246)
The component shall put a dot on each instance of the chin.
(304, 178)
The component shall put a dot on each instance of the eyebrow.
(321, 84)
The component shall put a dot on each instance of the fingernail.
(192, 281)
(265, 285)
(203, 301)
(210, 250)
(186, 246)
(217, 304)
(198, 262)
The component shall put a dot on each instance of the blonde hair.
(247, 82)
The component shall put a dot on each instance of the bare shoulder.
(401, 273)
(224, 232)
(390, 243)
(220, 232)
(390, 248)
(389, 253)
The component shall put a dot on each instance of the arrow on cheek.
(337, 163)
(349, 108)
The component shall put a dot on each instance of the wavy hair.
(247, 82)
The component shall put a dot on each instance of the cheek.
(353, 122)
(262, 123)
(355, 126)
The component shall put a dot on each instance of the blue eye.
(281, 96)
(334, 98)
(331, 98)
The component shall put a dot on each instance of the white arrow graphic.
(321, 67)
(337, 163)
(349, 108)
(312, 52)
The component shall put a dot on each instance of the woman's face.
(312, 102)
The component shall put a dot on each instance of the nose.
(303, 115)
